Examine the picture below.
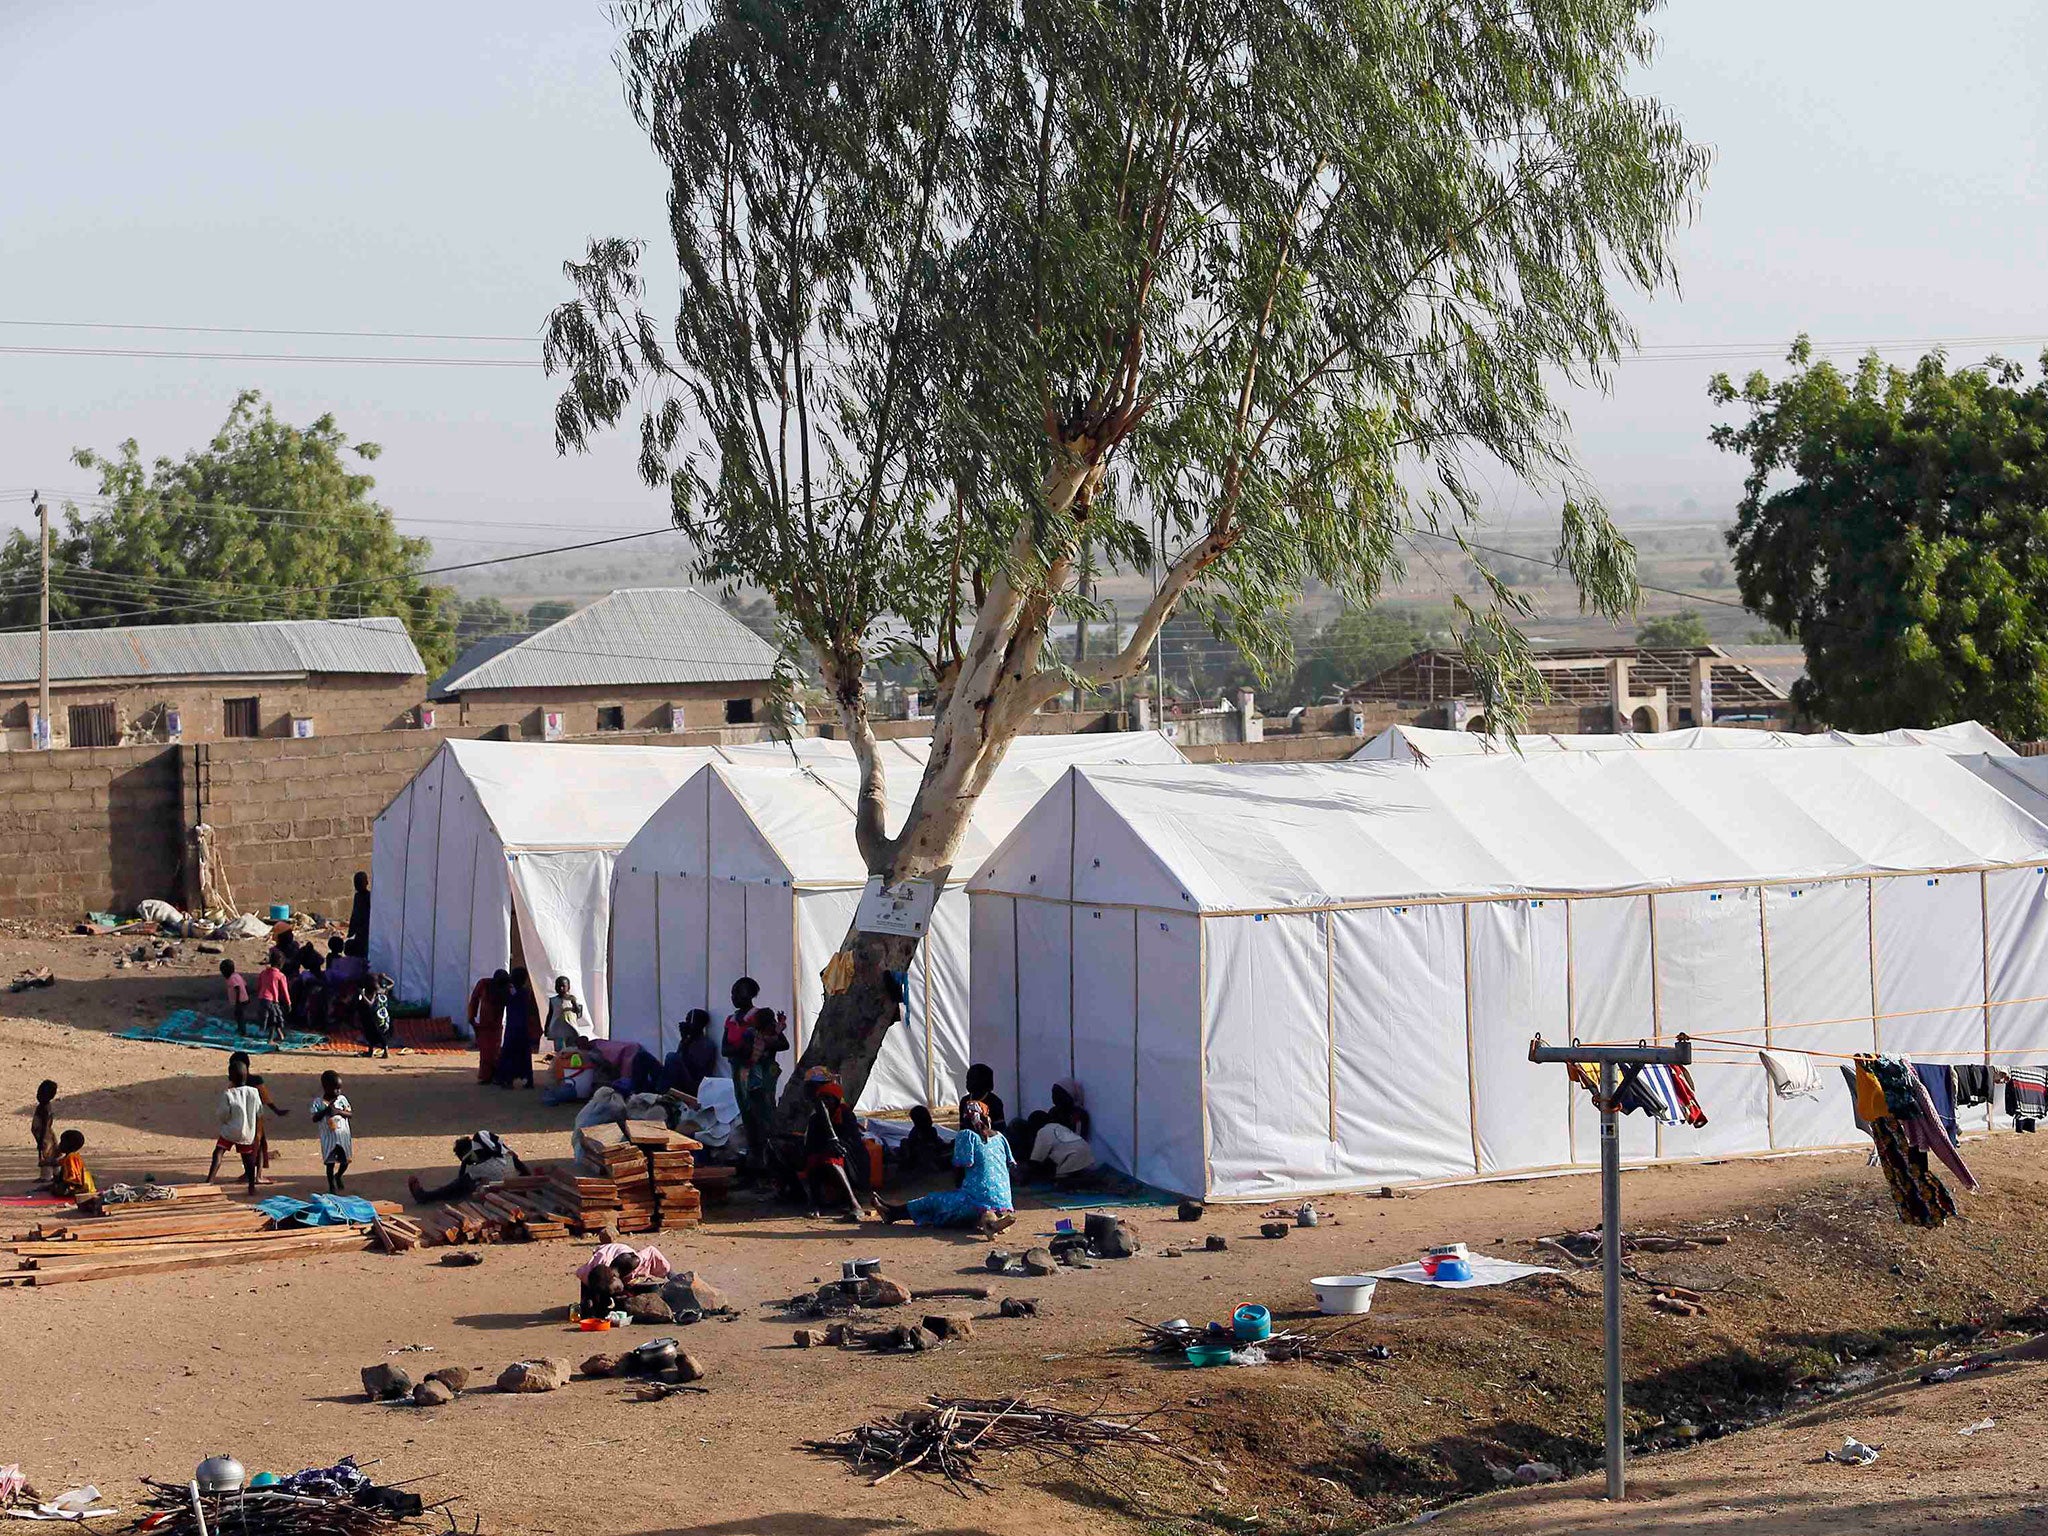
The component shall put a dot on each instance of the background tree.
(1893, 520)
(267, 521)
(1249, 287)
(477, 617)
(1681, 631)
(1357, 644)
(551, 611)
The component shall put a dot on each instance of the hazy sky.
(428, 167)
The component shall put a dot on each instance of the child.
(72, 1181)
(238, 994)
(922, 1150)
(604, 1287)
(825, 1149)
(373, 1013)
(565, 1015)
(241, 1113)
(42, 1126)
(337, 1137)
(273, 996)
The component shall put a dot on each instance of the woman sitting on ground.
(983, 1199)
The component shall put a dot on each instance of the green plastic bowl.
(1208, 1354)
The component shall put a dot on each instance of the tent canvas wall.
(1274, 980)
(751, 869)
(1419, 743)
(491, 833)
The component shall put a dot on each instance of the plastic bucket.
(280, 911)
(1341, 1295)
(1251, 1323)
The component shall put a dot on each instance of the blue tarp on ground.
(1101, 1191)
(188, 1027)
(318, 1211)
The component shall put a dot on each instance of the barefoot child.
(273, 996)
(42, 1126)
(333, 1113)
(241, 1113)
(238, 994)
(72, 1181)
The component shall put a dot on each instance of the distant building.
(642, 659)
(211, 682)
(1607, 690)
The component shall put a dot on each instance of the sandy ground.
(107, 1382)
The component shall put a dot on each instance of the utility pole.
(1631, 1059)
(42, 732)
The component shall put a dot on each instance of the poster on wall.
(551, 725)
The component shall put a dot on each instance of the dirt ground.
(110, 1381)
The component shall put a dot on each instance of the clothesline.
(1750, 1048)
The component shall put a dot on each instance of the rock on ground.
(534, 1376)
(432, 1394)
(386, 1381)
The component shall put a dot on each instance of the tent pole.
(1876, 1029)
(434, 922)
(660, 1013)
(1471, 1058)
(1656, 1007)
(1984, 924)
(1330, 1009)
(1202, 1045)
(1571, 1029)
(1134, 1045)
(1016, 1011)
(1763, 934)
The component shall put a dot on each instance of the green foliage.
(1242, 292)
(267, 521)
(553, 611)
(1894, 521)
(478, 617)
(1681, 631)
(1359, 643)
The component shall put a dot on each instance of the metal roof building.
(643, 637)
(272, 648)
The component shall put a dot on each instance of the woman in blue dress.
(982, 1160)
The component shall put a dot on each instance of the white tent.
(1420, 744)
(1273, 980)
(489, 833)
(751, 869)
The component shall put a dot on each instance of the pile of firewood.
(1319, 1346)
(950, 1437)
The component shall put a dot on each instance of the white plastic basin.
(1339, 1295)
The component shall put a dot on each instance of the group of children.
(299, 987)
(238, 1128)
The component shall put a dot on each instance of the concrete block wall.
(87, 829)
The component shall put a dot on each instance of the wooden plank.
(345, 1240)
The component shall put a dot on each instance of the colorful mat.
(1108, 1190)
(189, 1027)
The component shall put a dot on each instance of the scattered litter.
(1854, 1453)
(1178, 1336)
(1484, 1271)
(1978, 1427)
(948, 1438)
(37, 976)
(1538, 1472)
(321, 1501)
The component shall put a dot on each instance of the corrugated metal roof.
(268, 648)
(643, 635)
(472, 657)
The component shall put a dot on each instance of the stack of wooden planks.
(197, 1228)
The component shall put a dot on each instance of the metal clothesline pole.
(1619, 1065)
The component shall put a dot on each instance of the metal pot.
(654, 1357)
(220, 1474)
(859, 1269)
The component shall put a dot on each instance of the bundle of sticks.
(948, 1438)
(1319, 1346)
(274, 1512)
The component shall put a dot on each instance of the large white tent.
(490, 833)
(1274, 980)
(1422, 744)
(751, 869)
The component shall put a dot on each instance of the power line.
(255, 330)
(275, 357)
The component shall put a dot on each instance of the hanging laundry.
(1905, 1128)
(1850, 1075)
(1939, 1079)
(2026, 1093)
(1792, 1074)
(1973, 1084)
